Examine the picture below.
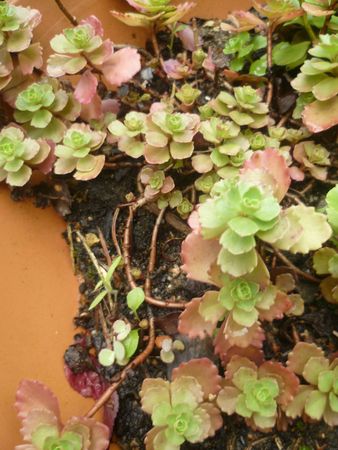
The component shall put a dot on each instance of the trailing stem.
(306, 276)
(127, 261)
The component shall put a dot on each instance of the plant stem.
(91, 255)
(66, 13)
(309, 29)
(152, 258)
(104, 247)
(113, 231)
(127, 261)
(306, 276)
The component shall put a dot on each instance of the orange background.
(38, 290)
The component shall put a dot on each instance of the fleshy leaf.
(86, 87)
(204, 371)
(121, 66)
(192, 323)
(300, 354)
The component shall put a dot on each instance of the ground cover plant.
(197, 178)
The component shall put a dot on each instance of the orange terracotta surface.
(38, 290)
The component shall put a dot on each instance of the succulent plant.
(187, 94)
(150, 12)
(312, 157)
(170, 136)
(240, 304)
(75, 152)
(256, 393)
(19, 155)
(235, 214)
(230, 147)
(83, 47)
(38, 410)
(243, 299)
(16, 51)
(245, 107)
(40, 107)
(156, 182)
(242, 46)
(318, 76)
(129, 133)
(181, 410)
(319, 398)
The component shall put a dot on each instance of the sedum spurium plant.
(151, 13)
(245, 107)
(257, 393)
(19, 155)
(75, 151)
(182, 410)
(318, 399)
(42, 429)
(238, 140)
(82, 50)
(43, 108)
(318, 76)
(18, 55)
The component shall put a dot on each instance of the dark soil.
(89, 207)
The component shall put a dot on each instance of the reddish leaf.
(319, 116)
(121, 66)
(300, 355)
(88, 384)
(95, 23)
(33, 395)
(110, 411)
(255, 354)
(269, 169)
(205, 372)
(192, 323)
(86, 87)
(281, 304)
(198, 255)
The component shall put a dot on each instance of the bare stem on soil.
(127, 261)
(152, 257)
(306, 276)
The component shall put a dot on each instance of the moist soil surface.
(88, 207)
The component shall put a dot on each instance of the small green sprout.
(167, 354)
(125, 343)
(105, 283)
(135, 298)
